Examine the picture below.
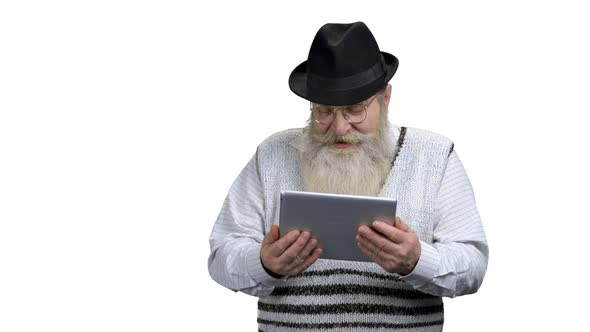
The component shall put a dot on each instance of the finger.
(401, 225)
(309, 247)
(394, 234)
(369, 248)
(272, 235)
(301, 258)
(373, 253)
(376, 243)
(370, 232)
(365, 249)
(294, 250)
(279, 246)
(314, 256)
(274, 228)
(367, 231)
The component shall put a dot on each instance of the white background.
(123, 124)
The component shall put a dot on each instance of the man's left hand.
(395, 248)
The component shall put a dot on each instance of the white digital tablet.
(333, 219)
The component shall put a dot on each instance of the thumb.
(272, 235)
(399, 224)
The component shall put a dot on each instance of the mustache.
(331, 138)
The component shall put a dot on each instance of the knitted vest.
(334, 295)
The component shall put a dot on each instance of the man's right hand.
(288, 255)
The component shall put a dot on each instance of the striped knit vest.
(335, 295)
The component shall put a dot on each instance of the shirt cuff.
(426, 268)
(256, 270)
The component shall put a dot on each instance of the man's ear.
(387, 94)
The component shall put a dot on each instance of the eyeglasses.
(354, 114)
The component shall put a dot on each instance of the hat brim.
(298, 84)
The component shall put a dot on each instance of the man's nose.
(340, 125)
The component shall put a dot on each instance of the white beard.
(360, 170)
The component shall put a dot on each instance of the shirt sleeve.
(234, 261)
(456, 262)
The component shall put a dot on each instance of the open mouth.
(346, 139)
(343, 145)
(345, 142)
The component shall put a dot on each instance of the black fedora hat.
(344, 66)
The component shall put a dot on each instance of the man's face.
(340, 127)
(344, 158)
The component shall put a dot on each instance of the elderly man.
(435, 248)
